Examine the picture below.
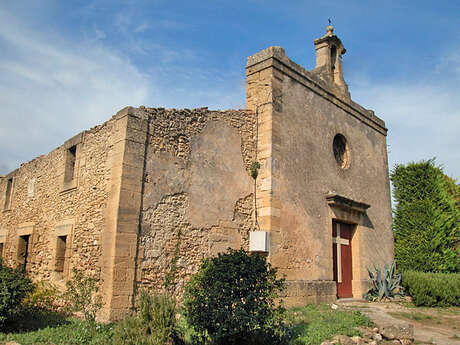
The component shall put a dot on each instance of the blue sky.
(66, 66)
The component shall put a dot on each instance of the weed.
(82, 294)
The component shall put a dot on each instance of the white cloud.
(51, 89)
(423, 116)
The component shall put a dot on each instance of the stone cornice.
(346, 203)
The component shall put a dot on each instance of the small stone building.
(147, 195)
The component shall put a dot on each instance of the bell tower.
(329, 51)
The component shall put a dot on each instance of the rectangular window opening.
(23, 251)
(70, 164)
(1, 250)
(60, 253)
(9, 191)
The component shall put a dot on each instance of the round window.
(341, 151)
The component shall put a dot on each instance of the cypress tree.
(426, 219)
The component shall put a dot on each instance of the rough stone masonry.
(153, 188)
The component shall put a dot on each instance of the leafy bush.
(154, 324)
(385, 284)
(82, 296)
(426, 219)
(42, 307)
(232, 300)
(14, 287)
(433, 289)
(46, 297)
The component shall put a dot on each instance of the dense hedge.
(433, 289)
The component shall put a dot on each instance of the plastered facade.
(140, 200)
(300, 113)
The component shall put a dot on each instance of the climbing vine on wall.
(170, 277)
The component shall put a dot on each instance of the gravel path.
(426, 331)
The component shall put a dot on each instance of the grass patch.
(71, 332)
(310, 325)
(315, 323)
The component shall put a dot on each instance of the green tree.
(454, 190)
(426, 219)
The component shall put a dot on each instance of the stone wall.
(44, 207)
(147, 188)
(197, 195)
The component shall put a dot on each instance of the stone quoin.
(152, 187)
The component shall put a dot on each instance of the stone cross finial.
(329, 28)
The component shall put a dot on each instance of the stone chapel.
(153, 186)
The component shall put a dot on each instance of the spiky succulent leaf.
(385, 283)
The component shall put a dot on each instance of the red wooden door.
(343, 274)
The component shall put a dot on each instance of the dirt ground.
(439, 326)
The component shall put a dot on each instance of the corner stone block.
(125, 111)
(126, 246)
(122, 287)
(133, 148)
(134, 154)
(127, 226)
(130, 200)
(136, 135)
(121, 301)
(126, 215)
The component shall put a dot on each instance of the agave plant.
(385, 284)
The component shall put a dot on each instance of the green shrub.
(14, 287)
(82, 295)
(433, 289)
(154, 324)
(42, 307)
(232, 300)
(46, 297)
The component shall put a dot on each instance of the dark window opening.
(70, 164)
(23, 251)
(333, 57)
(60, 253)
(340, 149)
(9, 191)
(1, 250)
